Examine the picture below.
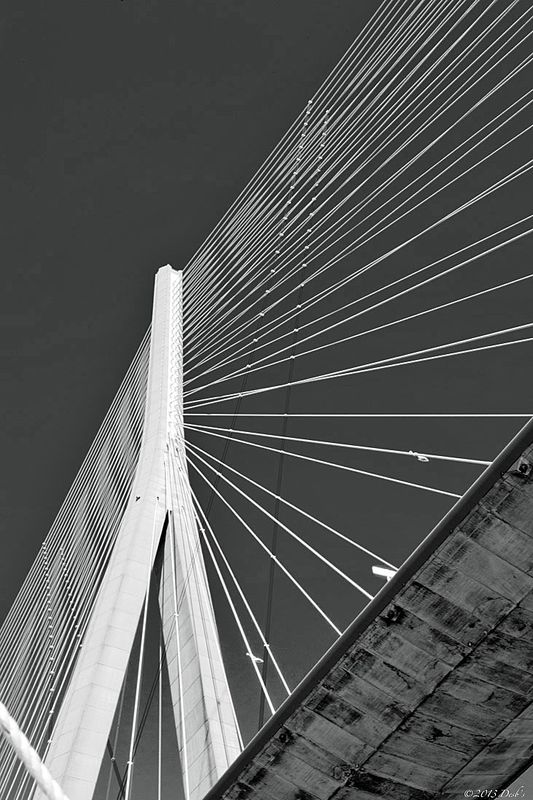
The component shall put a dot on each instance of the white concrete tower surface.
(206, 726)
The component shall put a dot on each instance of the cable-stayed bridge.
(232, 475)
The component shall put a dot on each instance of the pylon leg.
(205, 722)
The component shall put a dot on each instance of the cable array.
(370, 249)
(43, 632)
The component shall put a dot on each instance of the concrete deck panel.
(429, 693)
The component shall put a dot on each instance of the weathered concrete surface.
(430, 691)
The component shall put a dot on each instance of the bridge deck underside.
(432, 692)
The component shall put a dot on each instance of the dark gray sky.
(129, 127)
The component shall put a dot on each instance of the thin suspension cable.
(515, 174)
(65, 608)
(322, 462)
(415, 286)
(73, 493)
(438, 26)
(365, 448)
(237, 619)
(415, 18)
(291, 533)
(284, 569)
(366, 416)
(320, 95)
(237, 585)
(294, 507)
(295, 311)
(233, 609)
(317, 100)
(392, 361)
(492, 90)
(385, 326)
